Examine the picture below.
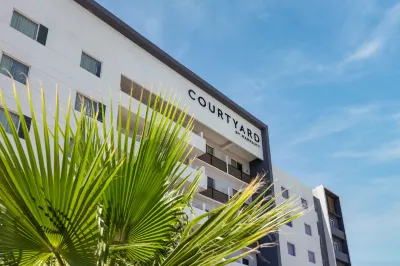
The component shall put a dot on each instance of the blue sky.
(324, 75)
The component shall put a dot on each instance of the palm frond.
(232, 227)
(49, 193)
(145, 205)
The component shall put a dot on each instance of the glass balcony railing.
(223, 166)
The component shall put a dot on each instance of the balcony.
(195, 140)
(223, 166)
(214, 161)
(342, 256)
(215, 195)
(233, 171)
(338, 233)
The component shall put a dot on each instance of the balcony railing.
(214, 161)
(221, 165)
(215, 194)
(238, 174)
(343, 257)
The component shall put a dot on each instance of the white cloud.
(366, 51)
(378, 38)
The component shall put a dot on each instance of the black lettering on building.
(202, 102)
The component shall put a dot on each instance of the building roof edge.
(127, 31)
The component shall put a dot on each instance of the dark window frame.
(307, 226)
(210, 182)
(41, 31)
(285, 192)
(211, 148)
(236, 164)
(19, 128)
(304, 203)
(291, 249)
(18, 61)
(311, 257)
(98, 105)
(99, 72)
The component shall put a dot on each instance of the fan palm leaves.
(91, 194)
(50, 190)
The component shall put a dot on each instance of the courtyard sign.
(240, 128)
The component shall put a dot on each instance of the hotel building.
(88, 52)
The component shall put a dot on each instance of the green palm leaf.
(232, 227)
(49, 198)
(111, 199)
(144, 207)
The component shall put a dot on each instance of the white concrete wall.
(58, 62)
(297, 235)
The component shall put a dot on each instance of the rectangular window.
(30, 28)
(236, 164)
(210, 182)
(335, 246)
(91, 107)
(15, 120)
(289, 223)
(332, 222)
(331, 204)
(209, 150)
(291, 249)
(10, 66)
(304, 204)
(285, 193)
(311, 257)
(90, 64)
(308, 229)
(246, 262)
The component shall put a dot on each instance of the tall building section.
(89, 53)
(299, 241)
(331, 228)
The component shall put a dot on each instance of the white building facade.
(299, 241)
(88, 53)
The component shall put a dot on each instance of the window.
(90, 64)
(246, 262)
(234, 192)
(289, 223)
(15, 120)
(304, 204)
(30, 28)
(308, 229)
(311, 256)
(210, 182)
(291, 249)
(91, 107)
(209, 150)
(332, 222)
(331, 204)
(18, 70)
(335, 246)
(236, 164)
(285, 193)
